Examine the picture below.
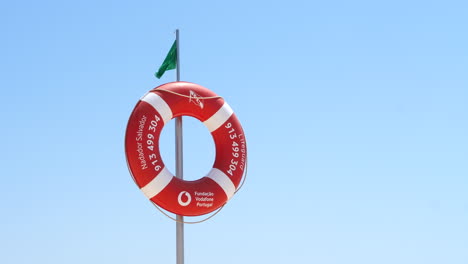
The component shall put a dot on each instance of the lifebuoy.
(151, 113)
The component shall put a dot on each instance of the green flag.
(170, 61)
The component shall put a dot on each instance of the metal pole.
(179, 168)
(178, 57)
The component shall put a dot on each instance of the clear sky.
(355, 113)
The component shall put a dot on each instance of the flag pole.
(179, 167)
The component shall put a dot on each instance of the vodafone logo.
(188, 198)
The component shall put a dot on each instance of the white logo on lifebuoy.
(189, 198)
(196, 99)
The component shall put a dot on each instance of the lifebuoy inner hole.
(198, 148)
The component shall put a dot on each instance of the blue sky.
(355, 115)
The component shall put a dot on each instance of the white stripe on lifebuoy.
(223, 181)
(159, 105)
(219, 118)
(158, 184)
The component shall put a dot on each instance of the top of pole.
(178, 55)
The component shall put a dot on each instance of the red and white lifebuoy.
(152, 112)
